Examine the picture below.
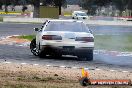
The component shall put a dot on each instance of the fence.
(49, 12)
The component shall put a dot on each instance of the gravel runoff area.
(15, 75)
(37, 76)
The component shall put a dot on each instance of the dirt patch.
(38, 76)
(13, 40)
(31, 76)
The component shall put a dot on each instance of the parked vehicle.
(79, 15)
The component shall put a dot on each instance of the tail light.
(86, 39)
(51, 37)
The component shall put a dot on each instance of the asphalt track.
(102, 59)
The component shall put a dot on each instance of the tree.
(6, 3)
(123, 4)
(94, 4)
(1, 5)
(36, 4)
(59, 4)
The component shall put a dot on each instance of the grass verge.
(106, 42)
(1, 19)
(29, 37)
(114, 42)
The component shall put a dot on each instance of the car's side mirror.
(36, 29)
(91, 31)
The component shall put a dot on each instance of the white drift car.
(63, 37)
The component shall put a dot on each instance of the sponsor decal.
(85, 80)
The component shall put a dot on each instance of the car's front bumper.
(82, 17)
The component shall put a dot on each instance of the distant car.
(79, 15)
(63, 37)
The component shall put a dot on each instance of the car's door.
(39, 34)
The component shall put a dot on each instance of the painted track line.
(23, 63)
(7, 62)
(112, 70)
(35, 64)
(70, 67)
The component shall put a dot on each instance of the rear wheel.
(89, 56)
(42, 54)
(56, 55)
(86, 56)
(33, 47)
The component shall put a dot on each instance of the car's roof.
(58, 20)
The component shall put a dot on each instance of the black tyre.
(33, 47)
(86, 56)
(42, 54)
(89, 56)
(84, 81)
(56, 55)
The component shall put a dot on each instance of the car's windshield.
(67, 26)
(81, 14)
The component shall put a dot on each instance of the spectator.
(13, 8)
(24, 8)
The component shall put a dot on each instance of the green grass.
(29, 37)
(114, 42)
(1, 19)
(107, 42)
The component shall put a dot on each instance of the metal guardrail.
(12, 13)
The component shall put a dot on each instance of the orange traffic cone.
(84, 81)
(85, 73)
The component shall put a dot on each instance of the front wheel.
(33, 47)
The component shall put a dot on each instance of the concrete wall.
(32, 20)
(94, 22)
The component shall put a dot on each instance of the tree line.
(92, 5)
(35, 3)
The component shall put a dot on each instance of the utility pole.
(6, 7)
